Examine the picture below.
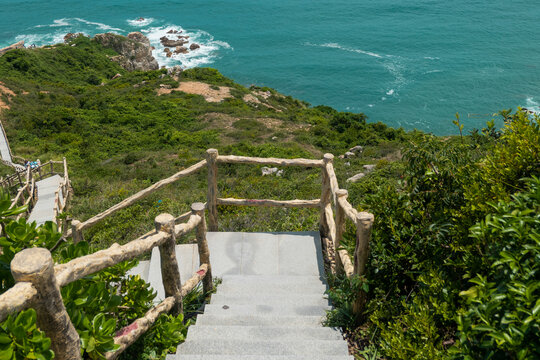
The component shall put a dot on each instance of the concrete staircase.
(269, 305)
(44, 208)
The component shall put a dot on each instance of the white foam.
(41, 39)
(371, 105)
(206, 54)
(390, 92)
(532, 105)
(140, 23)
(345, 48)
(56, 23)
(433, 71)
(99, 25)
(432, 58)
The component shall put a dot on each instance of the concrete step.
(266, 299)
(267, 347)
(274, 289)
(263, 333)
(233, 253)
(250, 320)
(259, 357)
(267, 310)
(273, 279)
(140, 269)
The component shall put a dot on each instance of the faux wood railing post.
(169, 265)
(364, 224)
(325, 196)
(52, 167)
(36, 266)
(211, 201)
(76, 231)
(340, 228)
(202, 244)
(39, 169)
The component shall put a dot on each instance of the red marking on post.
(201, 272)
(126, 330)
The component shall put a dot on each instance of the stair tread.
(259, 357)
(263, 347)
(263, 332)
(260, 320)
(266, 299)
(266, 310)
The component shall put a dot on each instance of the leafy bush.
(502, 316)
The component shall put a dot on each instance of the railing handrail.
(28, 276)
(24, 293)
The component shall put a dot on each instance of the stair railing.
(38, 282)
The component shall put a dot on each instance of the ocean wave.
(99, 25)
(140, 23)
(56, 23)
(206, 54)
(41, 39)
(390, 92)
(345, 48)
(432, 58)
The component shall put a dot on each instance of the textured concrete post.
(325, 196)
(52, 168)
(36, 266)
(364, 224)
(76, 232)
(39, 169)
(211, 158)
(169, 265)
(340, 228)
(204, 251)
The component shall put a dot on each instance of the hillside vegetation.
(453, 270)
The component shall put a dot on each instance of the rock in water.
(135, 52)
(181, 50)
(173, 43)
(194, 46)
(71, 36)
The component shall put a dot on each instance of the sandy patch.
(199, 88)
(5, 91)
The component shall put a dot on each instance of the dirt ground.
(199, 88)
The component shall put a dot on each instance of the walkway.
(43, 210)
(270, 303)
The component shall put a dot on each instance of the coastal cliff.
(135, 51)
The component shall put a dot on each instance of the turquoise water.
(406, 63)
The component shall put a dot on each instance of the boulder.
(173, 43)
(269, 171)
(116, 76)
(181, 50)
(349, 154)
(135, 52)
(175, 70)
(357, 149)
(172, 31)
(356, 177)
(194, 46)
(369, 167)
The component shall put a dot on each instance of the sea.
(407, 63)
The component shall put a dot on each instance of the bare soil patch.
(209, 93)
(7, 92)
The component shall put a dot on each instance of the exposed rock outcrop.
(135, 52)
(173, 43)
(194, 46)
(18, 45)
(71, 36)
(181, 50)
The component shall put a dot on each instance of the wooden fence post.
(211, 204)
(36, 266)
(204, 251)
(340, 228)
(76, 231)
(326, 196)
(170, 274)
(52, 167)
(39, 168)
(364, 224)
